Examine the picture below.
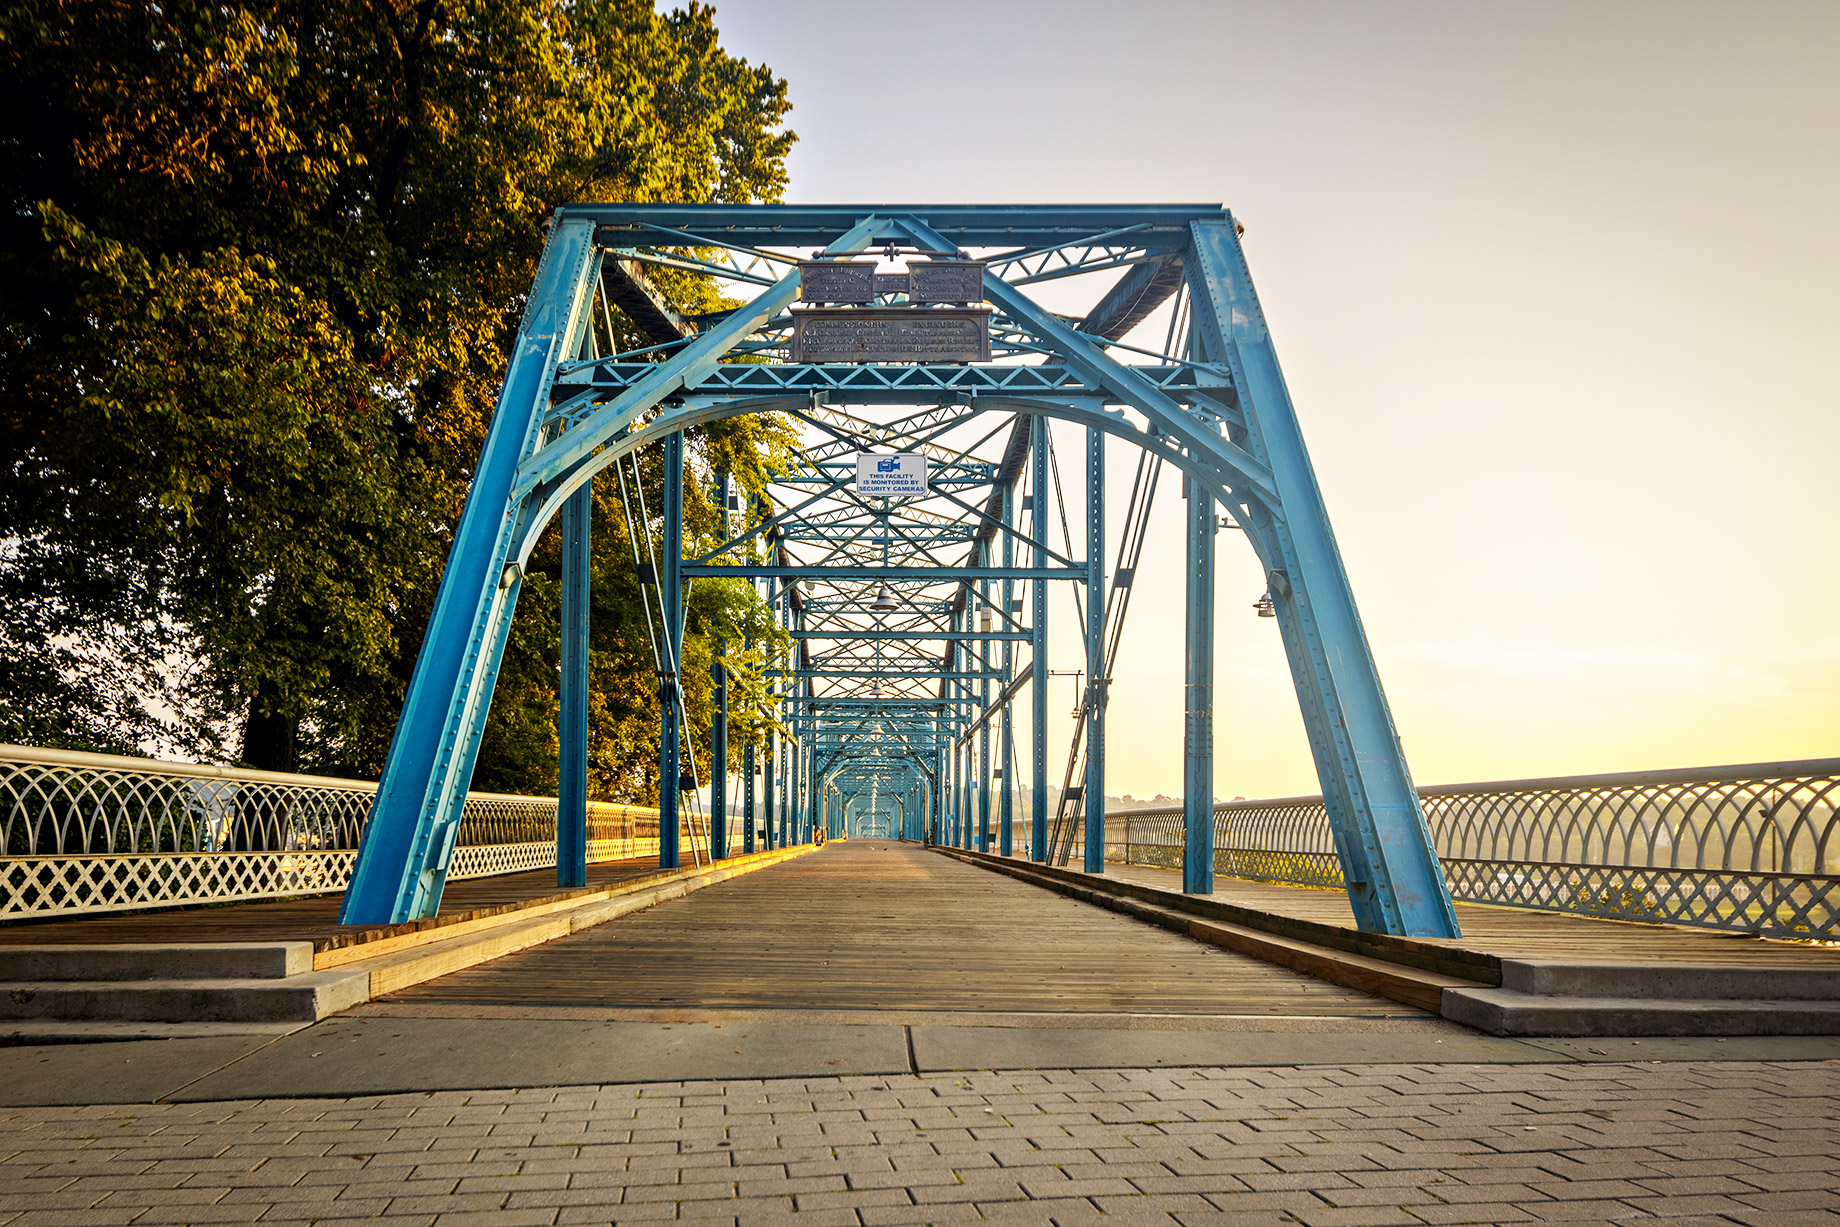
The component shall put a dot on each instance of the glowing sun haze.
(1557, 291)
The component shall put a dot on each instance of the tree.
(260, 267)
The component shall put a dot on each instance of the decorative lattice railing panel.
(97, 833)
(1752, 849)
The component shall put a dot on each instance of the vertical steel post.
(768, 824)
(935, 810)
(967, 835)
(572, 712)
(1097, 683)
(718, 732)
(780, 832)
(983, 663)
(1038, 645)
(670, 582)
(747, 799)
(1198, 731)
(813, 796)
(1006, 748)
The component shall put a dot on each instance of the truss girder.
(902, 612)
(1135, 298)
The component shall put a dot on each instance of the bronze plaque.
(946, 280)
(891, 283)
(891, 334)
(836, 280)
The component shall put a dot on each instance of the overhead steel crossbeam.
(917, 622)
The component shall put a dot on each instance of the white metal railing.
(1752, 848)
(97, 833)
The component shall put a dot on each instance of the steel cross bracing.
(918, 625)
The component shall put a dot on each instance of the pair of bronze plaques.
(911, 333)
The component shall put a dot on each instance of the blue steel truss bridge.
(951, 475)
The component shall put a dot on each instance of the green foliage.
(260, 269)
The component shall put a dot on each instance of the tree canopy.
(260, 268)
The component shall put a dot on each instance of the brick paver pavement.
(1693, 1142)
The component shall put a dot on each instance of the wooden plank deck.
(1519, 933)
(314, 919)
(881, 926)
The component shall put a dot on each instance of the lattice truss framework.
(919, 623)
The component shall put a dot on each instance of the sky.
(1556, 289)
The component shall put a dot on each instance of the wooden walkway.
(1518, 933)
(865, 926)
(314, 919)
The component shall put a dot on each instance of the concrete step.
(306, 997)
(1502, 1011)
(51, 994)
(39, 1032)
(1670, 981)
(172, 961)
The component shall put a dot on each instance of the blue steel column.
(1198, 732)
(1395, 883)
(961, 778)
(747, 799)
(1006, 748)
(983, 661)
(801, 795)
(814, 799)
(779, 821)
(956, 803)
(929, 820)
(943, 802)
(670, 580)
(790, 762)
(718, 732)
(967, 829)
(1097, 683)
(572, 713)
(1038, 645)
(408, 840)
(782, 777)
(768, 831)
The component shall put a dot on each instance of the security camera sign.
(890, 475)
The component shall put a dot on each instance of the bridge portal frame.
(1217, 409)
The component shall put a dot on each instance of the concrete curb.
(145, 961)
(1501, 1012)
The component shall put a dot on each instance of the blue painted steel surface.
(671, 587)
(749, 814)
(875, 728)
(718, 733)
(1395, 883)
(402, 863)
(572, 711)
(1096, 681)
(1006, 749)
(1038, 644)
(769, 815)
(1198, 726)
